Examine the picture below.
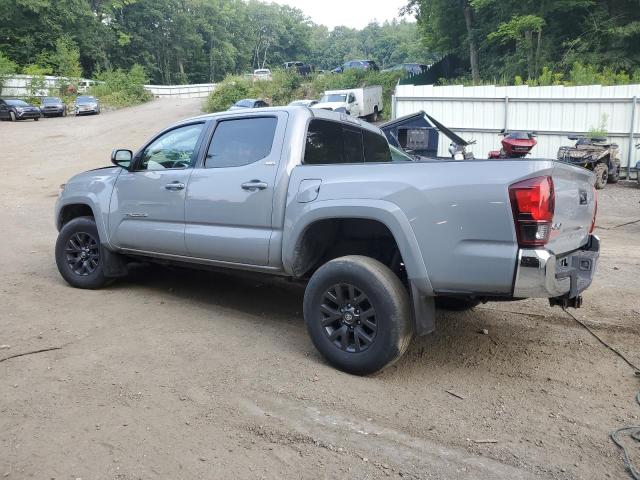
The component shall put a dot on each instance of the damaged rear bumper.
(541, 274)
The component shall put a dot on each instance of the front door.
(230, 196)
(147, 205)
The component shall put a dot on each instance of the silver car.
(86, 104)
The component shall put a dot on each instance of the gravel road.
(180, 374)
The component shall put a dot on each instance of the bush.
(287, 86)
(119, 88)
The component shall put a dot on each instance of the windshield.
(398, 155)
(85, 99)
(17, 103)
(335, 97)
(51, 100)
(262, 72)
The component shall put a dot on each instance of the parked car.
(300, 67)
(409, 68)
(303, 103)
(364, 102)
(313, 195)
(262, 74)
(13, 109)
(53, 106)
(86, 104)
(357, 65)
(248, 103)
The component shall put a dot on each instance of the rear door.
(229, 199)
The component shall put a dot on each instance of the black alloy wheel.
(83, 253)
(348, 318)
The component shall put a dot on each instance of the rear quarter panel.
(459, 212)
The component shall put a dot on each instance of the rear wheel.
(78, 254)
(614, 176)
(358, 314)
(601, 171)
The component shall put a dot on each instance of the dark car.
(53, 107)
(248, 103)
(86, 104)
(357, 65)
(300, 67)
(409, 68)
(13, 109)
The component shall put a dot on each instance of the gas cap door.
(308, 190)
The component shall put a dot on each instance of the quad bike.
(515, 145)
(595, 154)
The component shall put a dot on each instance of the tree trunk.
(473, 44)
(538, 49)
(528, 36)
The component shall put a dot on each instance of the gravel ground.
(180, 374)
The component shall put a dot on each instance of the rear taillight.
(595, 210)
(533, 203)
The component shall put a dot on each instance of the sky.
(351, 13)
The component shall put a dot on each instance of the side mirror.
(122, 158)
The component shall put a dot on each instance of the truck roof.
(294, 112)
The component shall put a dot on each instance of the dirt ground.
(179, 374)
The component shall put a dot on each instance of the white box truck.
(365, 102)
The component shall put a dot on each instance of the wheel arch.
(387, 214)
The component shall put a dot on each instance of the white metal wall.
(182, 91)
(18, 85)
(479, 113)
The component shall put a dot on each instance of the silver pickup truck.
(379, 239)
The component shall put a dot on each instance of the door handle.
(254, 185)
(174, 186)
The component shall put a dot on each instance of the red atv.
(515, 145)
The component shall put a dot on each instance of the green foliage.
(36, 86)
(121, 88)
(7, 67)
(515, 39)
(601, 130)
(287, 86)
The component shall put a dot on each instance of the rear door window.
(241, 142)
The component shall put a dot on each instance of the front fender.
(383, 211)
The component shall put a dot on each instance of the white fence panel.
(18, 85)
(200, 90)
(479, 113)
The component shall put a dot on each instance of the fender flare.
(387, 213)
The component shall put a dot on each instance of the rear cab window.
(330, 142)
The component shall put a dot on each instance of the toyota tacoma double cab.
(317, 196)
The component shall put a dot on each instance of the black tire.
(349, 340)
(456, 304)
(601, 171)
(79, 255)
(614, 177)
(12, 116)
(36, 119)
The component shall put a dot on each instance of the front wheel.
(12, 116)
(614, 177)
(78, 254)
(601, 171)
(358, 314)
